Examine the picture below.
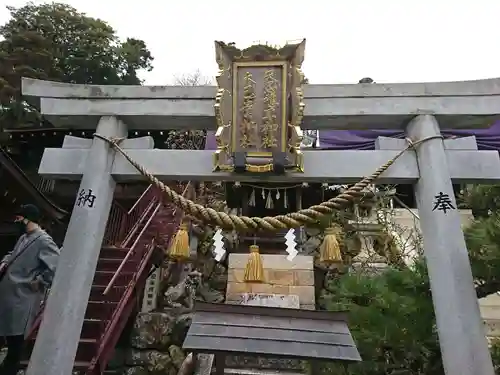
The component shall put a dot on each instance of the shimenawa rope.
(270, 223)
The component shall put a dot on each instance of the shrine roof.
(24, 189)
(270, 331)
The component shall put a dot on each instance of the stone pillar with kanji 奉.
(460, 328)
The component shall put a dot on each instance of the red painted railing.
(121, 222)
(116, 229)
(125, 229)
(126, 303)
(151, 212)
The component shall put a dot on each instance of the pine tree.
(391, 315)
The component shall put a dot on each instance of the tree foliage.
(483, 237)
(392, 320)
(391, 314)
(188, 139)
(54, 41)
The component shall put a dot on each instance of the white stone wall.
(404, 217)
(489, 306)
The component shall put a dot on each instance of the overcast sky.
(388, 40)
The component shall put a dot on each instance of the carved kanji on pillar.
(259, 108)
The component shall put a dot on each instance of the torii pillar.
(433, 167)
(455, 299)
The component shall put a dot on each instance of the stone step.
(100, 310)
(111, 252)
(104, 277)
(114, 294)
(106, 264)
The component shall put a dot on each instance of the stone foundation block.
(305, 293)
(273, 261)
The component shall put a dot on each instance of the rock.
(275, 365)
(180, 329)
(209, 233)
(311, 231)
(207, 265)
(204, 246)
(218, 280)
(136, 371)
(151, 360)
(152, 330)
(188, 366)
(211, 295)
(118, 358)
(311, 245)
(177, 355)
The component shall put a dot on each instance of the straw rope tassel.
(179, 247)
(329, 251)
(254, 270)
(251, 201)
(269, 201)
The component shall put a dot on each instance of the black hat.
(30, 212)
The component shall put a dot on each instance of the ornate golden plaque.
(259, 107)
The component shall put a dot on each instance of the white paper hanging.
(291, 245)
(251, 201)
(219, 250)
(269, 201)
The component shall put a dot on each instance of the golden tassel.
(329, 251)
(179, 247)
(254, 270)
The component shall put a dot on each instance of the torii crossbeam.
(432, 167)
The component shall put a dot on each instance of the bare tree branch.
(195, 78)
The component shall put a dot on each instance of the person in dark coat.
(25, 274)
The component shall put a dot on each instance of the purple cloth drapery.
(487, 139)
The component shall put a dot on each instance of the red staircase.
(122, 270)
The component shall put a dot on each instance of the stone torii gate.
(420, 108)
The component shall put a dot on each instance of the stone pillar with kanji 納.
(54, 353)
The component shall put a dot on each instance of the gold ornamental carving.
(259, 105)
